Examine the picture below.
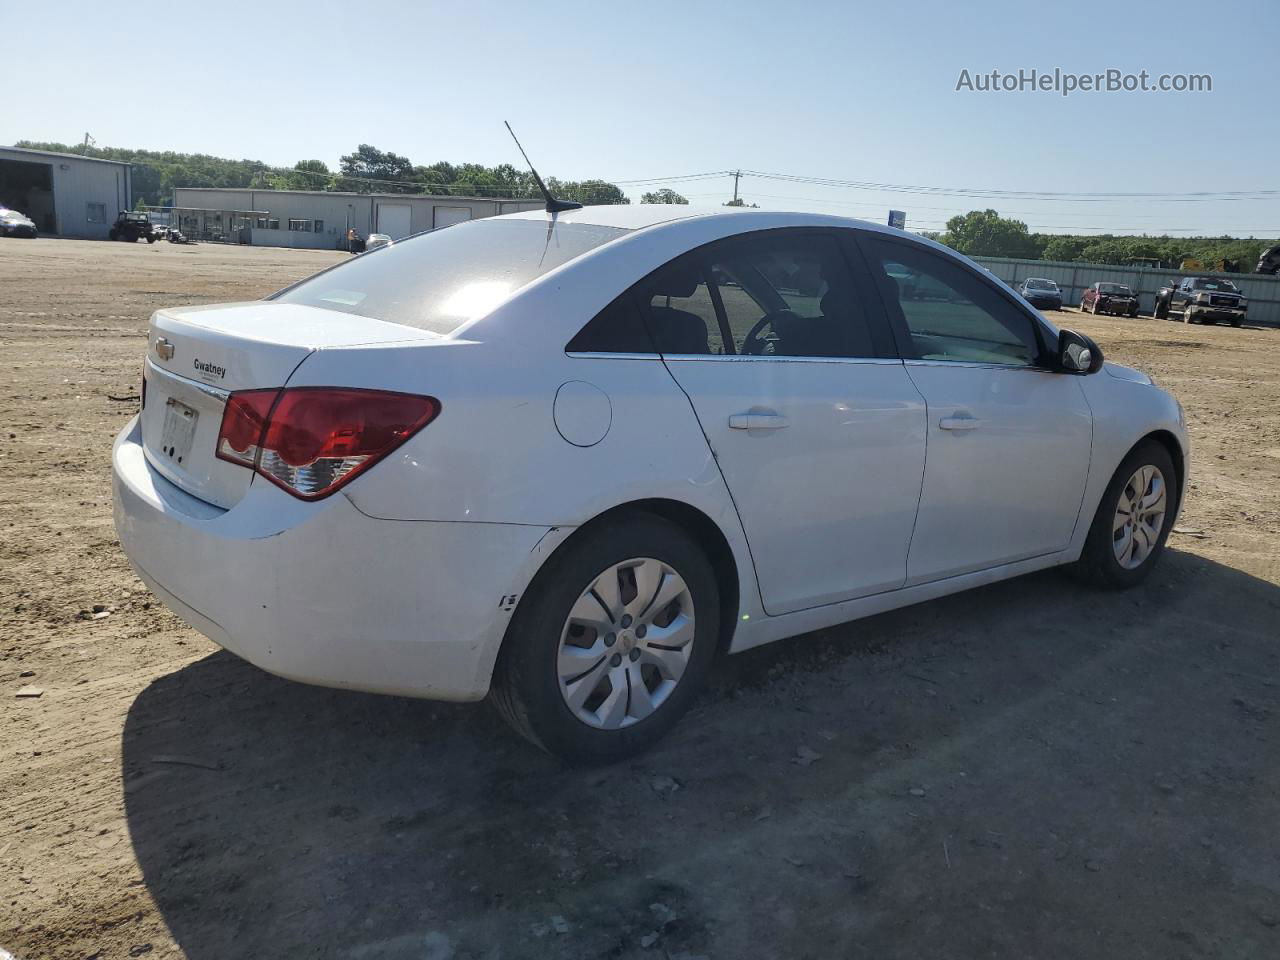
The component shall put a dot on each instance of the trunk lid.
(196, 356)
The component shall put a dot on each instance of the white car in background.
(568, 459)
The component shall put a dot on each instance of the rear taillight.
(312, 440)
(243, 421)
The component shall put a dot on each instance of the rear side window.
(439, 280)
(773, 293)
(947, 311)
(678, 309)
(615, 329)
(790, 295)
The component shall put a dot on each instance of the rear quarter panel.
(495, 455)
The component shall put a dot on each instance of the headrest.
(680, 280)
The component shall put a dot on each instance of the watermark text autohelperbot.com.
(1065, 83)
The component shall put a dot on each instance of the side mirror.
(1078, 353)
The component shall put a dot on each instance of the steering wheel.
(754, 344)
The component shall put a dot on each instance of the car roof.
(643, 215)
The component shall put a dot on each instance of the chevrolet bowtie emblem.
(164, 349)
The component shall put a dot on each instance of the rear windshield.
(1113, 288)
(439, 280)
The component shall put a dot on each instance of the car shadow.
(272, 819)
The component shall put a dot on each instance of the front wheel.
(612, 641)
(1161, 310)
(1133, 520)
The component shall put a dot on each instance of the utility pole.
(84, 148)
(736, 175)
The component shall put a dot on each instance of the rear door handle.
(758, 421)
(959, 423)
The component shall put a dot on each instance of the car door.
(1186, 293)
(812, 418)
(1008, 440)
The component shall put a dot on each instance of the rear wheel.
(1161, 309)
(612, 641)
(1133, 520)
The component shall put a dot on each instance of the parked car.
(1200, 300)
(15, 224)
(133, 226)
(377, 240)
(1269, 261)
(1041, 293)
(1114, 298)
(554, 459)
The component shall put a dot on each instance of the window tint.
(949, 312)
(789, 295)
(678, 309)
(615, 329)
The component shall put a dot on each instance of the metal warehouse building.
(65, 194)
(307, 218)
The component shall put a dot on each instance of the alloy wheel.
(1139, 517)
(626, 643)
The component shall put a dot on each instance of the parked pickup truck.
(1202, 300)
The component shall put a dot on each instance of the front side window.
(947, 312)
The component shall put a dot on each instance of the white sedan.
(566, 460)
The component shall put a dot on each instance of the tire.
(1186, 315)
(1099, 563)
(1161, 310)
(152, 239)
(1237, 323)
(528, 688)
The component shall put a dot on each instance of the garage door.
(394, 220)
(450, 215)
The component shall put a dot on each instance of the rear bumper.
(321, 593)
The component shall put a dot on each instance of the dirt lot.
(1033, 769)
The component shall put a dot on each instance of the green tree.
(588, 192)
(984, 233)
(739, 202)
(665, 195)
(368, 163)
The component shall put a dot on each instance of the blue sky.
(847, 91)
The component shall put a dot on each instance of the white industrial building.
(65, 194)
(318, 219)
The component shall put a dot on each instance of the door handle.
(959, 423)
(757, 421)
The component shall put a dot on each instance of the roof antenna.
(553, 205)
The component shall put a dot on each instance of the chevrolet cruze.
(567, 459)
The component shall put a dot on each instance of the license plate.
(179, 430)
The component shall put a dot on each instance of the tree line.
(984, 233)
(366, 169)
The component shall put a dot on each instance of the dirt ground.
(1033, 769)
